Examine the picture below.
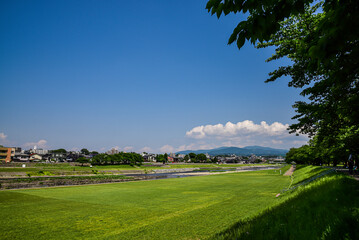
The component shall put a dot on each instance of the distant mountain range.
(245, 151)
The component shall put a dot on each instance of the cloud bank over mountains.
(240, 134)
(245, 128)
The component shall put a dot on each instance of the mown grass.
(181, 208)
(303, 172)
(228, 206)
(325, 209)
(8, 169)
(72, 177)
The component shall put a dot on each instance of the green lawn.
(304, 172)
(181, 208)
(227, 206)
(325, 209)
(18, 169)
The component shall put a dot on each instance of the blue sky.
(135, 75)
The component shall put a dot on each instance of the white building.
(112, 151)
(35, 157)
(40, 151)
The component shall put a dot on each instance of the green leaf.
(232, 38)
(240, 41)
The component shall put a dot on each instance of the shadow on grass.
(316, 171)
(328, 210)
(307, 175)
(300, 167)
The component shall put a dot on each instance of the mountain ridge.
(245, 151)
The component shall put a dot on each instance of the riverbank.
(68, 180)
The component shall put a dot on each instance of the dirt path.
(290, 171)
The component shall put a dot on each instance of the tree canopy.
(321, 39)
(85, 151)
(61, 150)
(119, 158)
(82, 160)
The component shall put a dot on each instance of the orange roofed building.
(6, 154)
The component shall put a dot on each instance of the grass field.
(182, 208)
(325, 209)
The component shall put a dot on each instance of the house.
(35, 157)
(21, 157)
(112, 151)
(149, 157)
(40, 151)
(58, 156)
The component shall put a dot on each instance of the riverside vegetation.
(60, 174)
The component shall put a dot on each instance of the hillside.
(245, 151)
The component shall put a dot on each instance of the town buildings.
(16, 154)
(6, 154)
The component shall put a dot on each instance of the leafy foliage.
(61, 150)
(85, 151)
(82, 160)
(119, 158)
(322, 40)
(161, 158)
(201, 157)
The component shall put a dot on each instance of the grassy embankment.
(327, 208)
(181, 208)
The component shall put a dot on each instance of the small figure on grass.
(351, 165)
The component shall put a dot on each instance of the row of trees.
(195, 158)
(162, 158)
(321, 38)
(198, 158)
(119, 158)
(320, 154)
(83, 151)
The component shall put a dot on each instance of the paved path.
(290, 171)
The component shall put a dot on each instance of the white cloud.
(300, 143)
(3, 136)
(3, 139)
(128, 149)
(167, 149)
(187, 147)
(146, 149)
(230, 130)
(40, 144)
(241, 134)
(277, 141)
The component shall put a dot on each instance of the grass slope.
(325, 209)
(183, 208)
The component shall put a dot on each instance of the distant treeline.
(315, 154)
(118, 158)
